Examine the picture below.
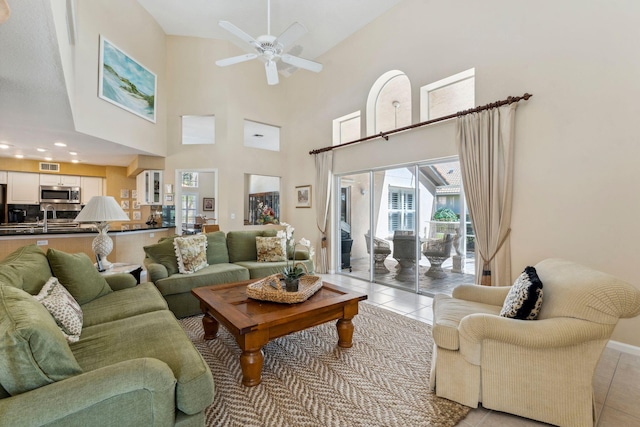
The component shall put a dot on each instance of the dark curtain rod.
(385, 135)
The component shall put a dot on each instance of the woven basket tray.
(271, 289)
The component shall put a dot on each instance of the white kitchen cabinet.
(89, 187)
(3, 177)
(67, 180)
(149, 185)
(23, 188)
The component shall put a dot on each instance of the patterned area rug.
(307, 380)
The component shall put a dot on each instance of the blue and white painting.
(126, 83)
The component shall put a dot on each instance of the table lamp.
(102, 210)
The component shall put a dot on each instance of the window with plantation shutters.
(402, 210)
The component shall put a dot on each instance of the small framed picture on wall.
(303, 196)
(208, 204)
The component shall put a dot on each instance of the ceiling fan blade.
(272, 72)
(239, 33)
(290, 35)
(236, 59)
(302, 63)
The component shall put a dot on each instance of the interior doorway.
(195, 199)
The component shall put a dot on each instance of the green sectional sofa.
(132, 364)
(232, 257)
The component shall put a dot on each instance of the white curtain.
(324, 175)
(485, 144)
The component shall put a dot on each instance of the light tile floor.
(616, 382)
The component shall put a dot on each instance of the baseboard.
(625, 348)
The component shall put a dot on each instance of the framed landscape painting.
(125, 82)
(303, 196)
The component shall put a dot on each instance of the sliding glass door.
(405, 227)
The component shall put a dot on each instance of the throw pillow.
(525, 297)
(271, 249)
(217, 252)
(33, 352)
(78, 275)
(163, 253)
(65, 310)
(191, 253)
(26, 268)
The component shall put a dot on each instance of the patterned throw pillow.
(271, 249)
(63, 307)
(191, 253)
(525, 297)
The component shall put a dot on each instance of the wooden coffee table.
(254, 323)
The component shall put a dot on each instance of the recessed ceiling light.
(41, 150)
(75, 161)
(19, 156)
(59, 144)
(73, 153)
(4, 146)
(48, 159)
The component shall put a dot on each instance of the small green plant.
(445, 214)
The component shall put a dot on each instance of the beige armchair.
(540, 369)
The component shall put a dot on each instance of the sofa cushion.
(157, 335)
(242, 244)
(63, 307)
(271, 249)
(78, 275)
(33, 351)
(123, 304)
(448, 312)
(217, 252)
(26, 268)
(191, 253)
(164, 253)
(211, 275)
(524, 298)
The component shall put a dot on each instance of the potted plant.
(294, 271)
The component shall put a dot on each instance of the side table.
(123, 267)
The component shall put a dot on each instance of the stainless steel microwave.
(59, 194)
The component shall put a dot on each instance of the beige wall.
(576, 185)
(129, 27)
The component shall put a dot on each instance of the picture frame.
(137, 216)
(168, 197)
(125, 83)
(208, 204)
(124, 193)
(303, 196)
(124, 204)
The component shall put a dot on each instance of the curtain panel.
(485, 145)
(324, 176)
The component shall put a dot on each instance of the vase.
(291, 285)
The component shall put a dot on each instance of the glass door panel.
(354, 224)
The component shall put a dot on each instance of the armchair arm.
(155, 271)
(492, 295)
(121, 281)
(54, 402)
(547, 333)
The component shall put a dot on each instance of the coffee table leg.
(210, 326)
(345, 332)
(251, 364)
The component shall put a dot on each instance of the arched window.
(389, 103)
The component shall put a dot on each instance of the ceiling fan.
(270, 49)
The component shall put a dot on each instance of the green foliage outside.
(445, 214)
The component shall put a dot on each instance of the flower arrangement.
(293, 271)
(266, 215)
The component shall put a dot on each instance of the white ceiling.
(328, 21)
(34, 106)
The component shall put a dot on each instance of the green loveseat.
(133, 365)
(231, 258)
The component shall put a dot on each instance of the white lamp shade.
(102, 209)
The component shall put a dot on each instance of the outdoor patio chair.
(381, 250)
(437, 251)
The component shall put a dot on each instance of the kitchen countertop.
(13, 230)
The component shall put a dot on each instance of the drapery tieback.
(486, 269)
